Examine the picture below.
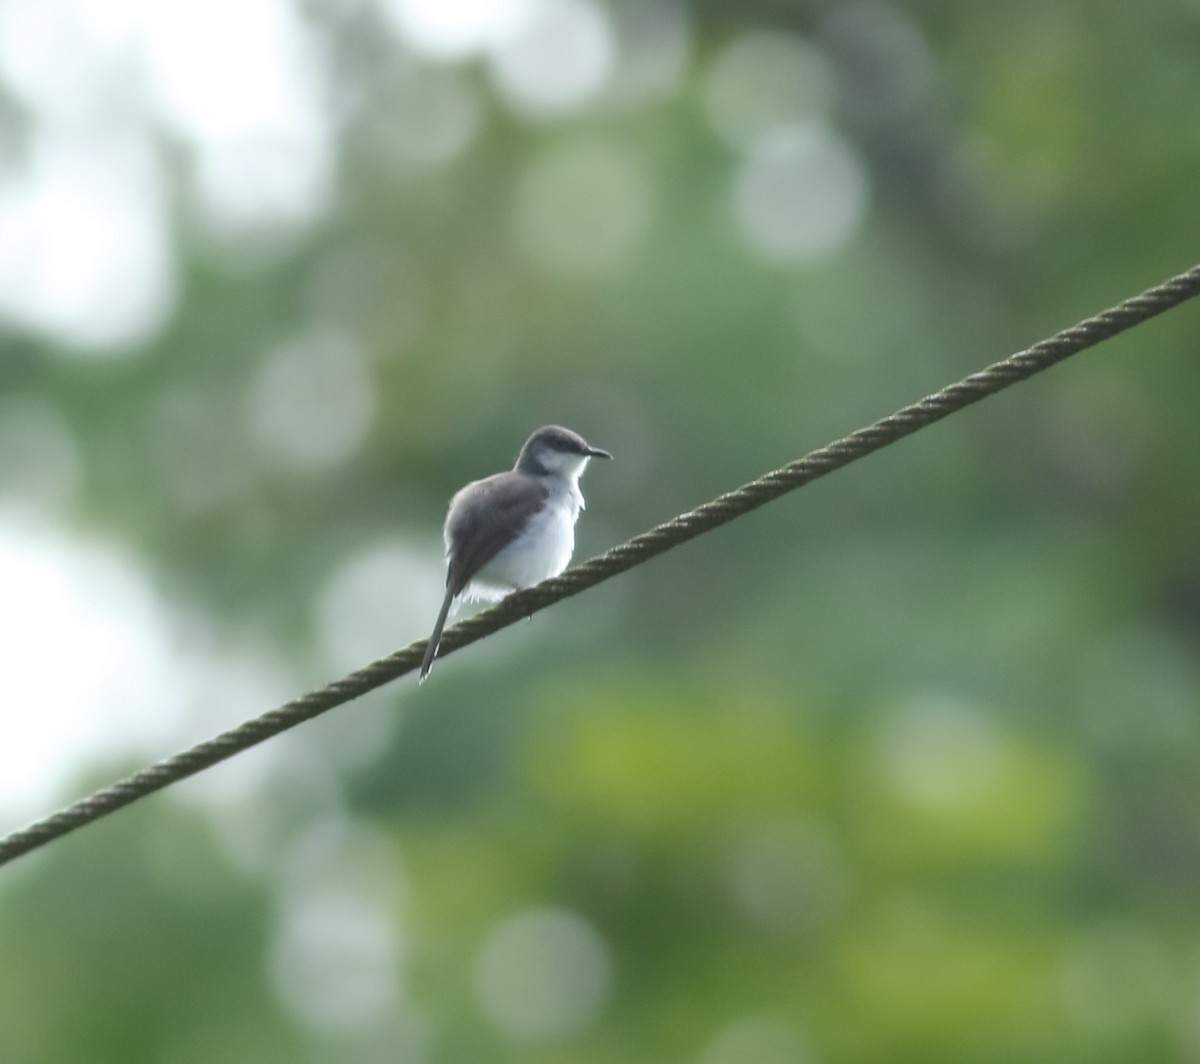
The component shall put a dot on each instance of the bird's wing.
(495, 511)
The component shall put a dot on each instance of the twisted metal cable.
(686, 526)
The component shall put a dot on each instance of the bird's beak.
(596, 452)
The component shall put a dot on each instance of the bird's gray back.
(485, 517)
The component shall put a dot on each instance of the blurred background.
(905, 767)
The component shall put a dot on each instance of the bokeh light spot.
(427, 115)
(764, 81)
(376, 599)
(544, 973)
(755, 1040)
(943, 755)
(559, 61)
(800, 195)
(582, 208)
(336, 956)
(312, 404)
(785, 876)
(275, 185)
(886, 71)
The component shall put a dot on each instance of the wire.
(619, 559)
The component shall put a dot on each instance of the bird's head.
(555, 451)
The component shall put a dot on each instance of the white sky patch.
(249, 85)
(85, 255)
(88, 667)
(100, 671)
(213, 70)
(58, 62)
(454, 29)
(221, 70)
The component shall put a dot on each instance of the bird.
(513, 530)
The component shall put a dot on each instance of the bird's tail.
(435, 640)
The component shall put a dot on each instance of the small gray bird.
(512, 530)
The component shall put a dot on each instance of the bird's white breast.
(542, 550)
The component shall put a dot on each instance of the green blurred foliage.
(903, 768)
